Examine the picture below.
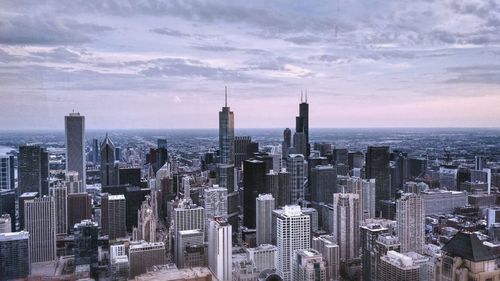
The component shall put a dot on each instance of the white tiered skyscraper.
(220, 249)
(346, 219)
(293, 233)
(410, 219)
(40, 222)
(74, 125)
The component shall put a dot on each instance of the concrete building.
(33, 165)
(438, 201)
(220, 248)
(172, 273)
(398, 267)
(15, 259)
(40, 222)
(308, 265)
(215, 202)
(410, 219)
(365, 188)
(369, 257)
(5, 223)
(74, 125)
(323, 183)
(119, 267)
(191, 250)
(144, 256)
(7, 176)
(79, 208)
(73, 183)
(116, 216)
(346, 221)
(264, 256)
(293, 233)
(377, 167)
(265, 205)
(325, 244)
(296, 167)
(59, 193)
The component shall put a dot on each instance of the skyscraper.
(59, 193)
(410, 217)
(162, 151)
(85, 251)
(95, 151)
(254, 183)
(108, 172)
(325, 245)
(346, 208)
(145, 255)
(74, 125)
(265, 205)
(225, 176)
(293, 233)
(40, 222)
(7, 179)
(377, 167)
(33, 170)
(242, 145)
(14, 255)
(114, 212)
(369, 256)
(323, 183)
(79, 208)
(308, 265)
(226, 134)
(215, 202)
(287, 138)
(300, 143)
(302, 123)
(295, 166)
(73, 183)
(220, 249)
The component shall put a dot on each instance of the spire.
(301, 96)
(306, 95)
(225, 95)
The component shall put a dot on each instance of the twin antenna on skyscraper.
(302, 95)
(225, 96)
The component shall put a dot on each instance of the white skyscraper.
(308, 265)
(40, 222)
(346, 219)
(365, 188)
(215, 202)
(295, 166)
(59, 193)
(293, 233)
(410, 219)
(74, 125)
(73, 183)
(264, 205)
(220, 249)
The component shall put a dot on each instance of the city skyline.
(162, 65)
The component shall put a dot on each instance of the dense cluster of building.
(241, 212)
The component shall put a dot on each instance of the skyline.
(158, 65)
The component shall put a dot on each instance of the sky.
(164, 64)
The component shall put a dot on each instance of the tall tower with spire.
(302, 121)
(108, 175)
(226, 133)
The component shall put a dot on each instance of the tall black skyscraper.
(226, 134)
(74, 125)
(377, 167)
(162, 152)
(95, 151)
(33, 170)
(302, 123)
(108, 171)
(287, 138)
(254, 183)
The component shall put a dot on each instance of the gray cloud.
(475, 74)
(169, 32)
(46, 30)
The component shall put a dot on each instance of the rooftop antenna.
(301, 96)
(225, 95)
(306, 95)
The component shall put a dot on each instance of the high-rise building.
(308, 265)
(7, 180)
(115, 215)
(323, 183)
(144, 256)
(14, 255)
(95, 151)
(265, 205)
(225, 177)
(300, 143)
(33, 170)
(287, 138)
(8, 206)
(220, 249)
(59, 193)
(187, 216)
(365, 188)
(410, 219)
(398, 267)
(295, 166)
(73, 183)
(254, 183)
(27, 196)
(355, 160)
(264, 256)
(40, 222)
(191, 251)
(119, 266)
(377, 167)
(79, 208)
(74, 125)
(293, 233)
(162, 152)
(369, 256)
(86, 248)
(215, 202)
(242, 149)
(146, 221)
(346, 208)
(108, 171)
(325, 244)
(302, 123)
(226, 134)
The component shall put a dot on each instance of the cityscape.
(232, 141)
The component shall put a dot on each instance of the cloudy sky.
(164, 64)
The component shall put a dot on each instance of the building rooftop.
(468, 246)
(11, 236)
(116, 197)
